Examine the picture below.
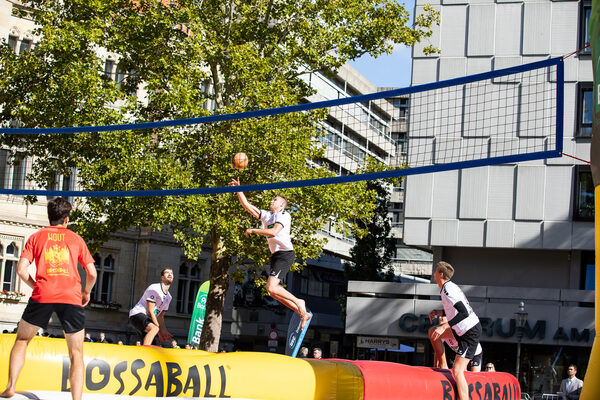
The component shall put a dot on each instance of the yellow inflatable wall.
(155, 372)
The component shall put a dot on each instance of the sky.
(392, 70)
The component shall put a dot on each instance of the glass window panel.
(194, 286)
(585, 196)
(12, 42)
(108, 68)
(25, 45)
(109, 263)
(4, 168)
(587, 109)
(195, 273)
(315, 288)
(106, 286)
(303, 285)
(8, 280)
(585, 36)
(590, 274)
(183, 270)
(119, 77)
(181, 296)
(66, 182)
(18, 176)
(12, 250)
(325, 289)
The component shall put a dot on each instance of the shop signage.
(412, 323)
(374, 342)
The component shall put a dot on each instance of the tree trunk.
(219, 284)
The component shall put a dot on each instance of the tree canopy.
(372, 253)
(183, 59)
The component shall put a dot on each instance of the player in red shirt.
(56, 252)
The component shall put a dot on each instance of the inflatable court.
(114, 371)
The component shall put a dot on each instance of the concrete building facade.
(514, 232)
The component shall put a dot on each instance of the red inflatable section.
(386, 380)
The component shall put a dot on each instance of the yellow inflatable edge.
(156, 372)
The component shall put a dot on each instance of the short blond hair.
(446, 269)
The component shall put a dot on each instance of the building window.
(585, 109)
(401, 106)
(9, 257)
(12, 170)
(584, 194)
(62, 182)
(109, 66)
(12, 42)
(26, 45)
(19, 46)
(584, 36)
(105, 266)
(187, 287)
(325, 284)
(588, 270)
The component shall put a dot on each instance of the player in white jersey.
(440, 351)
(462, 324)
(276, 224)
(148, 315)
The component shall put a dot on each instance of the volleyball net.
(503, 116)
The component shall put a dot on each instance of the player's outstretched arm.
(244, 201)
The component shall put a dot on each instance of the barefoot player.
(276, 227)
(462, 324)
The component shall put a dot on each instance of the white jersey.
(281, 241)
(154, 294)
(453, 344)
(451, 294)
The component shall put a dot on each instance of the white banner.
(376, 342)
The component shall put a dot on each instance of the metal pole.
(518, 356)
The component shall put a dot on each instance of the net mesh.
(501, 116)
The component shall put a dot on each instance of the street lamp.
(521, 318)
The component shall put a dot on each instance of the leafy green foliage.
(372, 253)
(250, 53)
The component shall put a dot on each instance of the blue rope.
(293, 184)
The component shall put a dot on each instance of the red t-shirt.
(56, 252)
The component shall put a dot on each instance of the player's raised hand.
(235, 182)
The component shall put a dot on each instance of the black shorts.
(140, 321)
(71, 317)
(281, 263)
(476, 361)
(467, 343)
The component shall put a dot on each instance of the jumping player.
(276, 227)
(56, 286)
(148, 315)
(462, 324)
(440, 351)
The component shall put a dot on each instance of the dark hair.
(165, 269)
(58, 209)
(574, 366)
(446, 269)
